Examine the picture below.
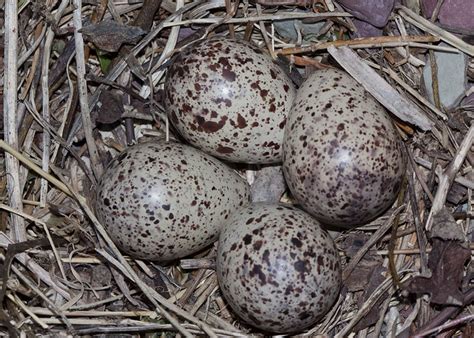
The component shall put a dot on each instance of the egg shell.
(343, 159)
(163, 201)
(277, 268)
(229, 99)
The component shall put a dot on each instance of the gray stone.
(452, 80)
(288, 29)
(269, 185)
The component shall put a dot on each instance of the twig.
(34, 267)
(365, 308)
(458, 179)
(448, 175)
(382, 41)
(33, 316)
(263, 30)
(46, 115)
(45, 227)
(32, 49)
(45, 97)
(447, 313)
(421, 236)
(373, 239)
(12, 166)
(165, 54)
(82, 88)
(264, 17)
(431, 28)
(208, 288)
(409, 89)
(28, 163)
(446, 326)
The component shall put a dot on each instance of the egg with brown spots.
(163, 201)
(278, 270)
(229, 99)
(343, 158)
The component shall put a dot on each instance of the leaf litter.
(65, 278)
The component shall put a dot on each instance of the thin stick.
(448, 175)
(431, 28)
(34, 267)
(33, 316)
(382, 41)
(446, 326)
(458, 179)
(36, 290)
(27, 162)
(409, 89)
(45, 97)
(264, 17)
(365, 308)
(12, 166)
(263, 30)
(46, 230)
(82, 88)
(32, 49)
(46, 115)
(373, 239)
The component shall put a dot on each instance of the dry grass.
(63, 274)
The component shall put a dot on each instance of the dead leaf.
(109, 35)
(375, 279)
(110, 107)
(445, 227)
(360, 277)
(446, 261)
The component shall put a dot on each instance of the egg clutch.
(342, 159)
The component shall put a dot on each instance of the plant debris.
(69, 108)
(447, 262)
(109, 35)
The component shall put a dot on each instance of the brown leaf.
(375, 279)
(109, 35)
(361, 275)
(110, 107)
(446, 261)
(445, 227)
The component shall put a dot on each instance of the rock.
(269, 185)
(365, 29)
(452, 81)
(453, 14)
(375, 12)
(288, 29)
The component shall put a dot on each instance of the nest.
(84, 81)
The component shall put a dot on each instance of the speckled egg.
(343, 159)
(277, 268)
(163, 201)
(229, 99)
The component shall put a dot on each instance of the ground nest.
(85, 80)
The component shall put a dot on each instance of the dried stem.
(82, 87)
(10, 84)
(448, 175)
